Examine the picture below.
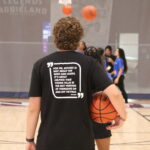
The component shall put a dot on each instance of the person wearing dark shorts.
(101, 133)
(109, 61)
(60, 92)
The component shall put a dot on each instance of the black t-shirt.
(65, 81)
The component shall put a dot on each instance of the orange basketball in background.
(89, 13)
(101, 109)
(67, 9)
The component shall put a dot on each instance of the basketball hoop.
(65, 2)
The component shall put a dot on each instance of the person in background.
(101, 134)
(82, 47)
(120, 69)
(101, 55)
(93, 52)
(109, 61)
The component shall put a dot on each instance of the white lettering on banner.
(65, 80)
(23, 7)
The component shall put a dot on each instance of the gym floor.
(134, 135)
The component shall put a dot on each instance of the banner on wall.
(23, 17)
(23, 7)
(24, 38)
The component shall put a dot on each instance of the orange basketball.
(67, 9)
(89, 13)
(101, 109)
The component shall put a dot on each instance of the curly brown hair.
(68, 32)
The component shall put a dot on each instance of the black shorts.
(100, 131)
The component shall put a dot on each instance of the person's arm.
(113, 72)
(117, 101)
(119, 75)
(121, 68)
(32, 120)
(35, 94)
(32, 116)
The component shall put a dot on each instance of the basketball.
(89, 13)
(101, 109)
(67, 9)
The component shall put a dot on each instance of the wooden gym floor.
(135, 135)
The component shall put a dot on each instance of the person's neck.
(63, 50)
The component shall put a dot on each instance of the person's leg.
(103, 144)
(122, 88)
(102, 135)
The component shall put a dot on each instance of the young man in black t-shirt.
(61, 87)
(110, 59)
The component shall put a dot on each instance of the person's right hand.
(30, 146)
(113, 73)
(118, 122)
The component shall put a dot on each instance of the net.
(65, 2)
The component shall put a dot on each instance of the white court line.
(14, 104)
(146, 105)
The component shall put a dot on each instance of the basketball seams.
(103, 108)
(100, 107)
(102, 115)
(103, 118)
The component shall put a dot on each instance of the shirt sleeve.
(35, 85)
(100, 80)
(120, 64)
